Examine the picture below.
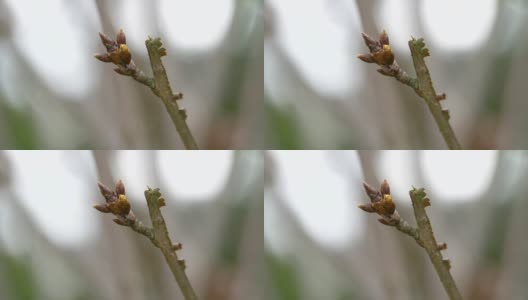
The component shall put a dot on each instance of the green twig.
(425, 89)
(428, 241)
(178, 116)
(154, 202)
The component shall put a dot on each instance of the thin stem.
(164, 243)
(164, 91)
(406, 228)
(140, 228)
(428, 241)
(426, 91)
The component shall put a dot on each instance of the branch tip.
(422, 234)
(381, 53)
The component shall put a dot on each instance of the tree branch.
(382, 55)
(117, 204)
(426, 90)
(118, 54)
(178, 116)
(382, 204)
(433, 249)
(155, 202)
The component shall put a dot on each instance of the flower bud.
(107, 41)
(108, 194)
(102, 208)
(370, 42)
(384, 57)
(121, 207)
(385, 188)
(120, 188)
(121, 38)
(366, 58)
(367, 207)
(372, 193)
(104, 57)
(384, 38)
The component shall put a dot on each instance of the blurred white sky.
(322, 36)
(49, 34)
(59, 187)
(322, 188)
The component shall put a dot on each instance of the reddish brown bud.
(366, 58)
(372, 44)
(162, 51)
(373, 194)
(367, 207)
(121, 38)
(440, 97)
(380, 52)
(120, 188)
(107, 41)
(385, 188)
(102, 208)
(108, 194)
(176, 247)
(104, 57)
(384, 38)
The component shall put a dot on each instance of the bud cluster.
(117, 52)
(116, 203)
(381, 203)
